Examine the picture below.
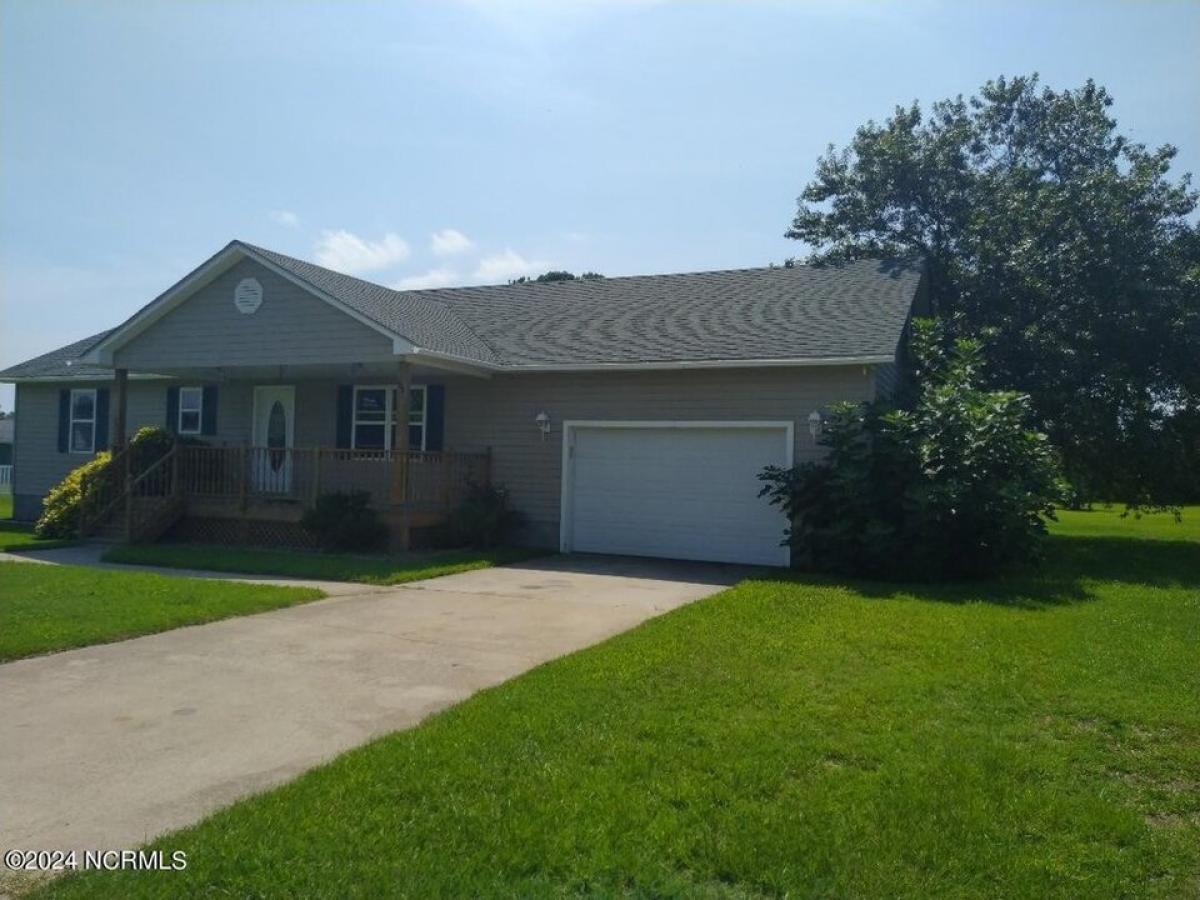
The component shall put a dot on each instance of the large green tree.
(1071, 246)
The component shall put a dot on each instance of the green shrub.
(957, 486)
(89, 486)
(149, 444)
(84, 489)
(344, 520)
(483, 519)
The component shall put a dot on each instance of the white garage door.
(680, 491)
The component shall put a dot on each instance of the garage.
(678, 490)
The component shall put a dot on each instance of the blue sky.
(432, 143)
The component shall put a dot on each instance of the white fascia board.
(872, 360)
(449, 362)
(45, 379)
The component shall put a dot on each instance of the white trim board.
(787, 426)
(796, 362)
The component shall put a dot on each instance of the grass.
(45, 608)
(20, 536)
(1110, 522)
(319, 566)
(1031, 736)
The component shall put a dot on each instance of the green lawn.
(45, 608)
(6, 505)
(1033, 736)
(20, 536)
(322, 566)
(1102, 522)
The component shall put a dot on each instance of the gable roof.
(849, 313)
(424, 321)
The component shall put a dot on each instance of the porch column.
(122, 406)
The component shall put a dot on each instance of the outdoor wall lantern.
(814, 424)
(543, 423)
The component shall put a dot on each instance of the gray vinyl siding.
(500, 412)
(37, 463)
(497, 412)
(291, 327)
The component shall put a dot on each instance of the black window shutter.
(64, 419)
(345, 415)
(101, 419)
(208, 410)
(435, 416)
(172, 409)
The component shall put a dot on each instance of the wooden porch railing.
(412, 480)
(142, 504)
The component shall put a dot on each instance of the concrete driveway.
(108, 746)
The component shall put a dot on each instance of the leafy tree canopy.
(557, 275)
(1065, 243)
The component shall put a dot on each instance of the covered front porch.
(255, 448)
(412, 488)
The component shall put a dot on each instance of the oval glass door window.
(277, 434)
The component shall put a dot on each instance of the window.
(372, 413)
(83, 421)
(191, 405)
(374, 424)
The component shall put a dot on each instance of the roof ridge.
(906, 261)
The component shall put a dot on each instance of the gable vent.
(247, 296)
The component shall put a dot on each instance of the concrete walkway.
(108, 746)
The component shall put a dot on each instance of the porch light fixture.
(814, 424)
(543, 423)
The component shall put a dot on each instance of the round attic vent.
(247, 296)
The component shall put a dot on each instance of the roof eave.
(91, 376)
(786, 362)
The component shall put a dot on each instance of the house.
(624, 415)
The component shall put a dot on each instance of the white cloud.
(344, 251)
(449, 241)
(506, 265)
(285, 217)
(434, 278)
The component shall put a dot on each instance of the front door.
(273, 434)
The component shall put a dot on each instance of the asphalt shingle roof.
(852, 310)
(751, 314)
(62, 363)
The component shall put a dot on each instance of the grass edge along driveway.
(1031, 736)
(45, 608)
(375, 570)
